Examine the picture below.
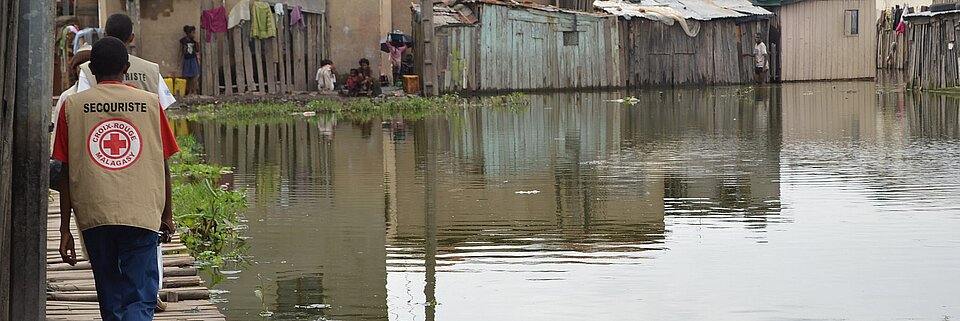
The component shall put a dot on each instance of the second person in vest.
(142, 73)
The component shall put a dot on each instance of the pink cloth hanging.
(296, 17)
(214, 20)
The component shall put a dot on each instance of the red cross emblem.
(114, 144)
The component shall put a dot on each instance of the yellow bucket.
(179, 87)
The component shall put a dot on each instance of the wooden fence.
(234, 62)
(662, 55)
(933, 58)
(891, 46)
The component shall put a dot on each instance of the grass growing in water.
(205, 212)
(411, 108)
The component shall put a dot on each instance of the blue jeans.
(124, 261)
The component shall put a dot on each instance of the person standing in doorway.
(760, 56)
(114, 142)
(190, 58)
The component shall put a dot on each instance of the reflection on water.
(807, 201)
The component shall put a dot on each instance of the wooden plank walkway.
(71, 294)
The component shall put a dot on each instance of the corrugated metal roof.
(533, 5)
(702, 10)
(773, 3)
(447, 16)
(444, 16)
(929, 14)
(743, 6)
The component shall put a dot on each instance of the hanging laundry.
(65, 35)
(296, 17)
(239, 13)
(897, 13)
(214, 20)
(902, 27)
(888, 18)
(278, 9)
(262, 19)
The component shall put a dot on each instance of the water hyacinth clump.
(206, 212)
(408, 108)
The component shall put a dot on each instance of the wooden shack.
(489, 46)
(823, 39)
(932, 49)
(688, 42)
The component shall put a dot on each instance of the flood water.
(814, 201)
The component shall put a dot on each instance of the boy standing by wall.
(113, 140)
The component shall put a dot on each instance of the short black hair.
(189, 29)
(119, 26)
(325, 62)
(364, 61)
(108, 57)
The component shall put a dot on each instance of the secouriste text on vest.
(115, 107)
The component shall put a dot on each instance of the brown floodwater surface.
(812, 201)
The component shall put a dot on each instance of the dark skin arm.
(166, 218)
(68, 250)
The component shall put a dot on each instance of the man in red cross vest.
(114, 142)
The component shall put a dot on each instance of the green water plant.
(207, 214)
(516, 102)
(408, 108)
(264, 310)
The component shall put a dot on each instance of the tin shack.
(823, 39)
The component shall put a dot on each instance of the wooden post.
(223, 40)
(258, 64)
(205, 72)
(299, 72)
(30, 162)
(429, 49)
(270, 59)
(8, 72)
(238, 58)
(247, 56)
(281, 49)
(313, 54)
